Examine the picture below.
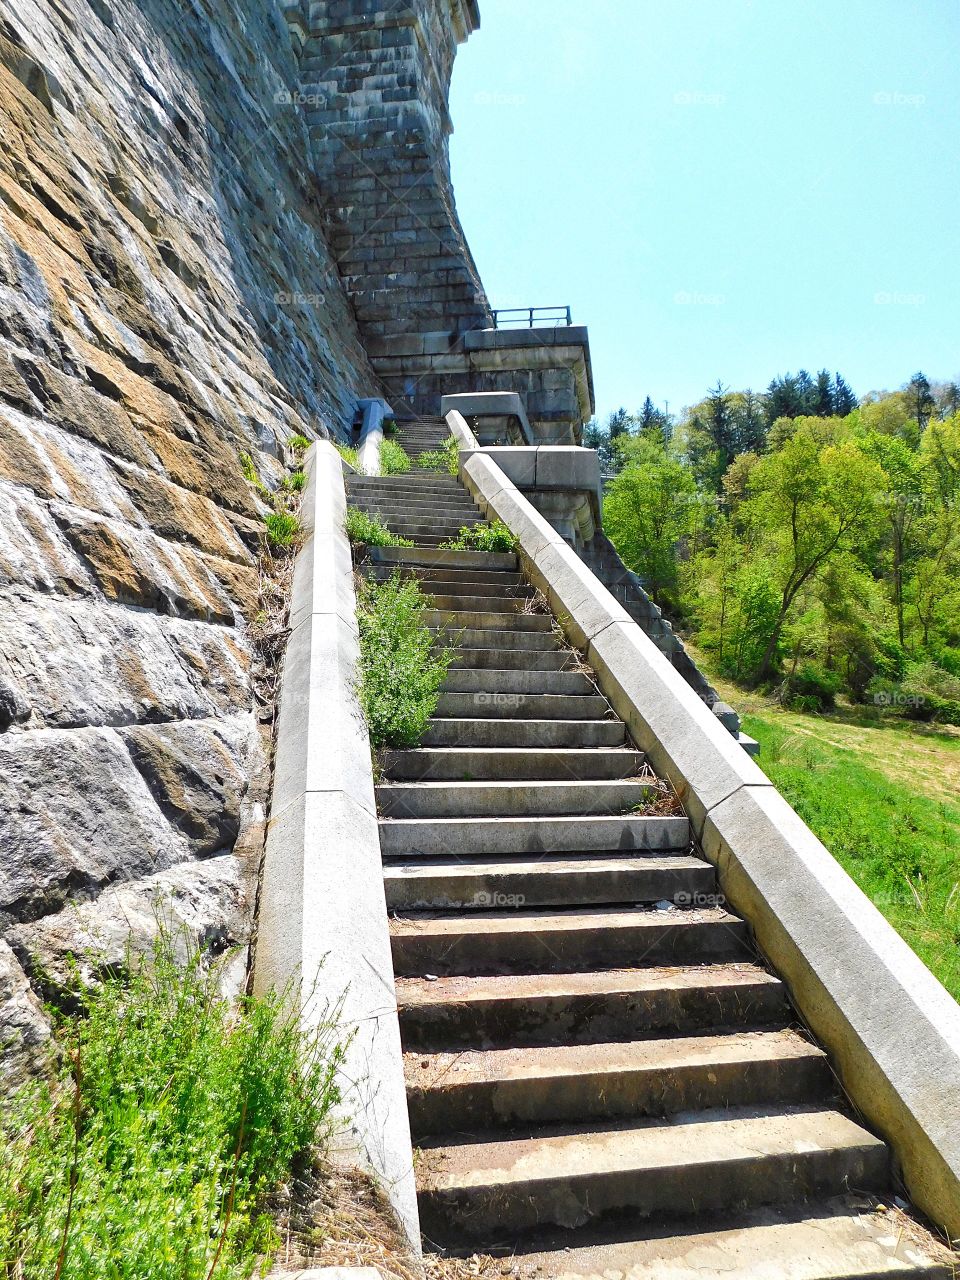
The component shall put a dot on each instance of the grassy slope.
(884, 797)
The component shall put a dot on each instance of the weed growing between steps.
(394, 460)
(482, 537)
(370, 531)
(446, 458)
(174, 1118)
(401, 665)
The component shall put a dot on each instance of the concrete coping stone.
(323, 931)
(371, 434)
(893, 1031)
(490, 404)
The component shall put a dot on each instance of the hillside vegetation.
(810, 546)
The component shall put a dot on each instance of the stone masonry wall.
(375, 80)
(167, 299)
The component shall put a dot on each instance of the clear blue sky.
(720, 188)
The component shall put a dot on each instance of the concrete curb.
(371, 435)
(323, 916)
(892, 1030)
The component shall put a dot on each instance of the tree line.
(810, 541)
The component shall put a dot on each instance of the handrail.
(533, 316)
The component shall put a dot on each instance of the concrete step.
(430, 529)
(532, 735)
(436, 764)
(512, 799)
(464, 1092)
(490, 620)
(521, 941)
(466, 837)
(434, 557)
(449, 884)
(710, 1161)
(502, 579)
(489, 638)
(453, 512)
(530, 706)
(841, 1238)
(415, 481)
(490, 602)
(587, 1007)
(512, 659)
(507, 681)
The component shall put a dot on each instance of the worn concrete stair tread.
(548, 881)
(481, 798)
(488, 620)
(844, 1238)
(480, 1089)
(586, 1006)
(467, 836)
(506, 681)
(672, 1167)
(532, 734)
(520, 706)
(519, 763)
(500, 638)
(443, 556)
(512, 659)
(553, 939)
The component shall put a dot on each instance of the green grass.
(370, 530)
(350, 455)
(482, 537)
(401, 665)
(299, 444)
(283, 530)
(295, 482)
(858, 792)
(173, 1118)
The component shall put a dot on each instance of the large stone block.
(75, 815)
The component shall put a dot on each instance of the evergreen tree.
(824, 403)
(921, 399)
(844, 401)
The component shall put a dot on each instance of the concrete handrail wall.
(371, 435)
(323, 915)
(892, 1030)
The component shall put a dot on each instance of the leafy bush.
(283, 529)
(446, 458)
(173, 1118)
(394, 461)
(927, 692)
(810, 688)
(401, 665)
(295, 481)
(299, 444)
(371, 531)
(482, 537)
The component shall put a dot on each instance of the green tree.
(649, 507)
(807, 503)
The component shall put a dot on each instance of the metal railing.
(532, 317)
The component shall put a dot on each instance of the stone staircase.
(603, 1078)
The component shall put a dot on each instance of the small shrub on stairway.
(446, 458)
(483, 537)
(394, 460)
(370, 531)
(402, 667)
(349, 454)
